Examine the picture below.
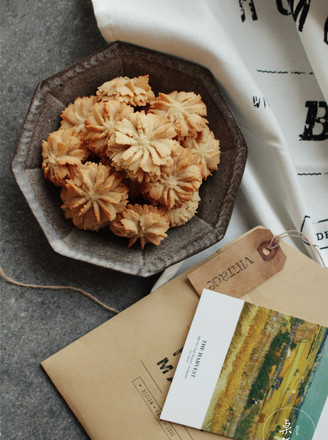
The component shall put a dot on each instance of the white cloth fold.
(271, 62)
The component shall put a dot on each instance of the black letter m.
(163, 365)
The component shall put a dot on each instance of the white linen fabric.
(270, 58)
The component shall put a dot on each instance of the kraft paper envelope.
(115, 378)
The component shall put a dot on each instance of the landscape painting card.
(250, 373)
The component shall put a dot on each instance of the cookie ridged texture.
(181, 215)
(141, 222)
(134, 91)
(74, 115)
(207, 148)
(175, 187)
(100, 124)
(185, 110)
(61, 153)
(144, 143)
(94, 196)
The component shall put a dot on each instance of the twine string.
(294, 233)
(76, 289)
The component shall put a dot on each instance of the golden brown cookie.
(181, 215)
(74, 115)
(208, 150)
(61, 152)
(176, 186)
(143, 145)
(183, 109)
(134, 91)
(94, 196)
(144, 222)
(100, 124)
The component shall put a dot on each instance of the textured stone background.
(39, 38)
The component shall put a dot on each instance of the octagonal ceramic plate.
(102, 248)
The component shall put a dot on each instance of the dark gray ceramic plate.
(102, 248)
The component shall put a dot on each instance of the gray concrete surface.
(38, 39)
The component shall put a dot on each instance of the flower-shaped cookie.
(134, 91)
(73, 116)
(179, 216)
(144, 144)
(184, 109)
(144, 222)
(61, 152)
(176, 186)
(101, 122)
(208, 150)
(93, 197)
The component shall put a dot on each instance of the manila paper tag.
(116, 378)
(240, 267)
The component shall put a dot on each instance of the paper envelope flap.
(115, 379)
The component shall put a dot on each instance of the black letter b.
(313, 119)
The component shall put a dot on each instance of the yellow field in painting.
(230, 406)
(295, 369)
(245, 339)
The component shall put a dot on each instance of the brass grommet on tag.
(268, 249)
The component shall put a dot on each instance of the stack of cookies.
(131, 161)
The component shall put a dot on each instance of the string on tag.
(293, 233)
(76, 289)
